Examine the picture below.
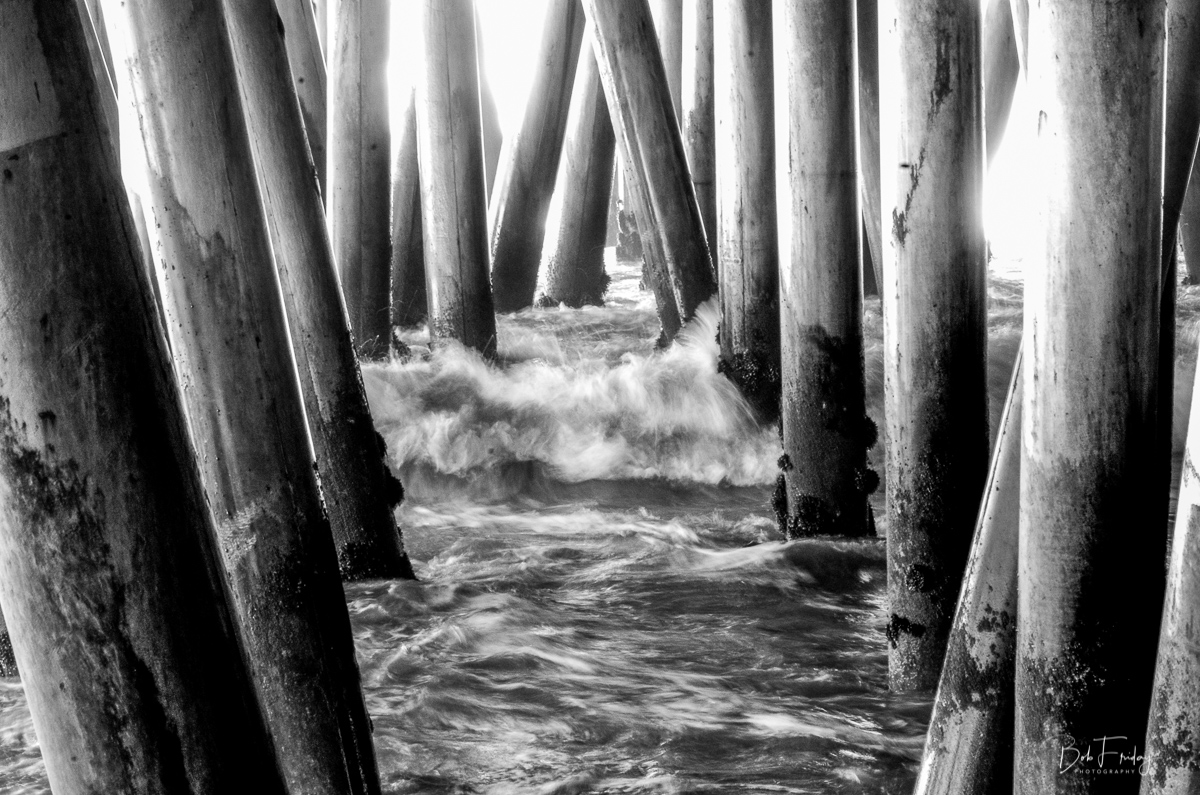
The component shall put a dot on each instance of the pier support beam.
(360, 492)
(668, 26)
(493, 136)
(1088, 468)
(648, 137)
(410, 304)
(244, 407)
(574, 252)
(868, 144)
(699, 119)
(826, 432)
(935, 340)
(308, 76)
(747, 228)
(1001, 67)
(109, 570)
(1189, 225)
(968, 750)
(453, 195)
(529, 161)
(359, 157)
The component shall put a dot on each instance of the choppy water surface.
(605, 605)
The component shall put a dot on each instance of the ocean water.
(605, 604)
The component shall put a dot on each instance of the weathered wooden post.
(409, 303)
(699, 118)
(668, 26)
(109, 570)
(968, 750)
(1189, 225)
(825, 481)
(529, 161)
(359, 156)
(493, 136)
(1001, 66)
(747, 230)
(360, 492)
(870, 160)
(574, 251)
(243, 401)
(1085, 656)
(308, 76)
(668, 217)
(453, 208)
(934, 299)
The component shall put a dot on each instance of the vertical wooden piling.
(699, 119)
(1173, 732)
(244, 407)
(651, 145)
(529, 161)
(1189, 225)
(360, 492)
(308, 76)
(109, 570)
(825, 481)
(668, 26)
(968, 750)
(409, 303)
(935, 342)
(747, 229)
(359, 151)
(1089, 512)
(1000, 69)
(493, 136)
(575, 249)
(453, 209)
(868, 142)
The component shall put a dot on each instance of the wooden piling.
(747, 229)
(307, 66)
(109, 569)
(493, 135)
(575, 244)
(825, 481)
(1001, 66)
(651, 145)
(529, 161)
(360, 492)
(409, 303)
(870, 160)
(8, 658)
(935, 341)
(321, 14)
(1089, 512)
(1189, 225)
(968, 750)
(668, 26)
(359, 153)
(243, 401)
(699, 119)
(453, 209)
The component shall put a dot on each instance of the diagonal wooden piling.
(935, 342)
(1089, 517)
(1000, 69)
(493, 136)
(453, 195)
(574, 251)
(308, 76)
(826, 432)
(1189, 225)
(109, 569)
(699, 119)
(868, 142)
(668, 27)
(648, 136)
(409, 302)
(244, 407)
(529, 161)
(359, 155)
(360, 492)
(747, 238)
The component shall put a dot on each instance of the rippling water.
(605, 605)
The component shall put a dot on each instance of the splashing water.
(605, 604)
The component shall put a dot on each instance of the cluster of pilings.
(188, 466)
